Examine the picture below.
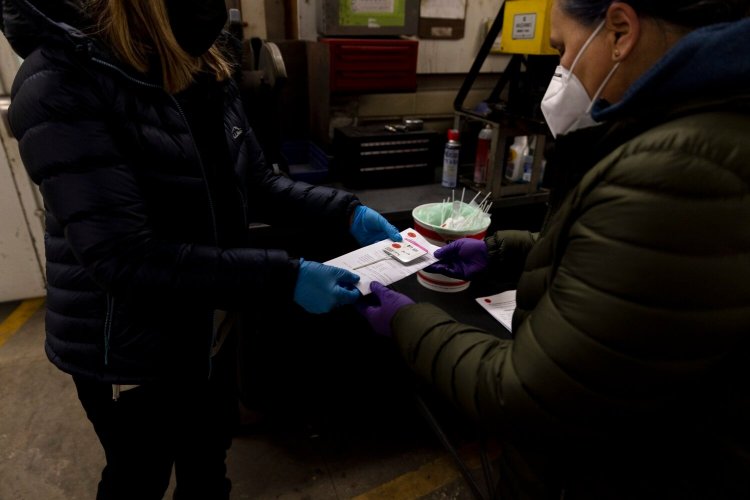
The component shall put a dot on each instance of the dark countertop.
(397, 203)
(462, 305)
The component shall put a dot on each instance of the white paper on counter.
(501, 307)
(373, 264)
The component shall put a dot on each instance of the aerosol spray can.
(482, 159)
(450, 159)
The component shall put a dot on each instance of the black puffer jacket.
(133, 265)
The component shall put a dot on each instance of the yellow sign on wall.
(526, 27)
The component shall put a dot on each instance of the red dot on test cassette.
(395, 245)
(488, 301)
(411, 234)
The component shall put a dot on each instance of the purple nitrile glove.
(379, 308)
(461, 259)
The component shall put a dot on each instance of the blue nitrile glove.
(320, 288)
(379, 308)
(461, 259)
(369, 227)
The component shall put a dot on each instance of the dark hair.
(685, 13)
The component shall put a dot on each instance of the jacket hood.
(708, 63)
(27, 23)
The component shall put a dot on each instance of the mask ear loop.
(601, 87)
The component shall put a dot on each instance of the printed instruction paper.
(372, 263)
(501, 307)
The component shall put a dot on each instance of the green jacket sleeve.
(462, 362)
(508, 250)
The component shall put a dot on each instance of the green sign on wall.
(372, 13)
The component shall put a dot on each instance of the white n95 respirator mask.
(566, 105)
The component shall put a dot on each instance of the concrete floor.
(365, 448)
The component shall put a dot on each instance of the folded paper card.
(388, 261)
(501, 307)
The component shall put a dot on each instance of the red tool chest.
(372, 65)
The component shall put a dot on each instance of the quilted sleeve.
(69, 148)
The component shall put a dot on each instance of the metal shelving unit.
(525, 79)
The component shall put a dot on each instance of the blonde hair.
(139, 31)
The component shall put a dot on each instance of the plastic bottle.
(541, 174)
(450, 159)
(528, 160)
(516, 153)
(482, 160)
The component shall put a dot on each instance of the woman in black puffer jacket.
(128, 121)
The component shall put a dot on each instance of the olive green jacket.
(628, 374)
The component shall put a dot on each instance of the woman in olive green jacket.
(628, 373)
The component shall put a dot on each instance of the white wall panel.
(21, 236)
(21, 214)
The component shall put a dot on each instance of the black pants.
(154, 426)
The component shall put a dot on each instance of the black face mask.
(196, 24)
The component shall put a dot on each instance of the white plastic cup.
(427, 223)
